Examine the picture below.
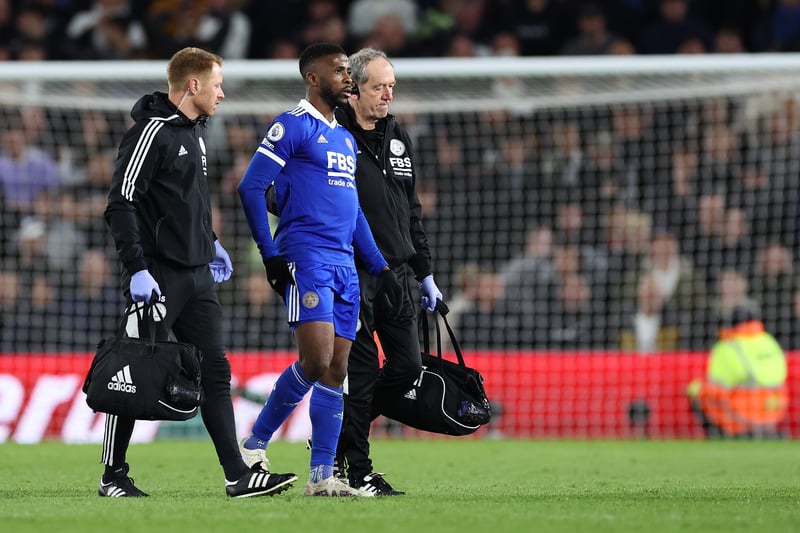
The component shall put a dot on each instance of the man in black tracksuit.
(385, 178)
(159, 215)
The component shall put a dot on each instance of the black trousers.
(368, 384)
(193, 314)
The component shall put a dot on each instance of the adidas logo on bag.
(122, 381)
(412, 392)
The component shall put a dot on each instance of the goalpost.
(593, 221)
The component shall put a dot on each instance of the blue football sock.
(320, 472)
(325, 409)
(290, 388)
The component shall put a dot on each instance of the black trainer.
(375, 484)
(119, 485)
(340, 467)
(259, 482)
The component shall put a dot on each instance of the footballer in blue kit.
(310, 160)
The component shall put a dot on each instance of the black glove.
(278, 275)
(391, 294)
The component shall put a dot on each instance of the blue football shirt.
(312, 163)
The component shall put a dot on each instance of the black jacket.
(386, 189)
(158, 205)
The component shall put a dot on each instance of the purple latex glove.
(429, 292)
(143, 285)
(221, 267)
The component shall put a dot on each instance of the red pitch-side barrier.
(541, 395)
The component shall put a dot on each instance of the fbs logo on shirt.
(341, 162)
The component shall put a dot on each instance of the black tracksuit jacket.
(158, 205)
(385, 179)
(386, 191)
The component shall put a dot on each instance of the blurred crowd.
(622, 227)
(242, 29)
(633, 227)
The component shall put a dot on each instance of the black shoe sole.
(125, 496)
(385, 494)
(271, 491)
(103, 494)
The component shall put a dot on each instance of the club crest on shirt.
(310, 300)
(275, 132)
(202, 145)
(349, 143)
(397, 147)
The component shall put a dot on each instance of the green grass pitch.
(458, 485)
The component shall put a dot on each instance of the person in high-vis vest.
(744, 393)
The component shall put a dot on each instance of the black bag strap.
(147, 310)
(440, 311)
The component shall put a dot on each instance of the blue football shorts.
(324, 293)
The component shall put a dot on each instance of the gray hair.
(359, 62)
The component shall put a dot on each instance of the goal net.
(593, 222)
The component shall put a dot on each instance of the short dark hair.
(316, 51)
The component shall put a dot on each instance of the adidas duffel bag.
(144, 379)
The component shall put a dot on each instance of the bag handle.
(147, 310)
(441, 310)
